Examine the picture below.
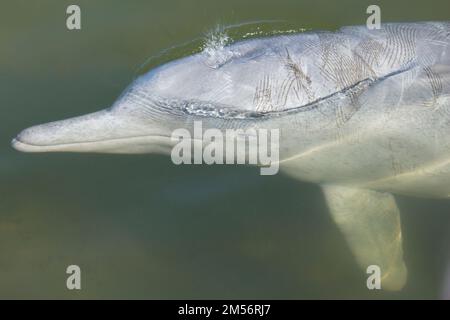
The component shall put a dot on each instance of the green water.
(141, 227)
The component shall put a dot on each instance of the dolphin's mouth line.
(89, 142)
(21, 145)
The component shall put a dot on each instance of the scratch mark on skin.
(435, 82)
(263, 95)
(302, 80)
(283, 92)
(370, 51)
(400, 46)
(344, 70)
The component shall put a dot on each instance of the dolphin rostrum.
(364, 113)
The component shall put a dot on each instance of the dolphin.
(363, 113)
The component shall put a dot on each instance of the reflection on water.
(140, 227)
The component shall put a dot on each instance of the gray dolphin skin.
(363, 113)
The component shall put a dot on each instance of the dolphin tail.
(370, 222)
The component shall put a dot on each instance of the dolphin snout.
(105, 131)
(85, 133)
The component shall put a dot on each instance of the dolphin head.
(141, 120)
(215, 86)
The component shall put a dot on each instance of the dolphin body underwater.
(363, 113)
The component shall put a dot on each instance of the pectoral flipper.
(370, 222)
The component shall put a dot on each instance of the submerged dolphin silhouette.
(364, 113)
